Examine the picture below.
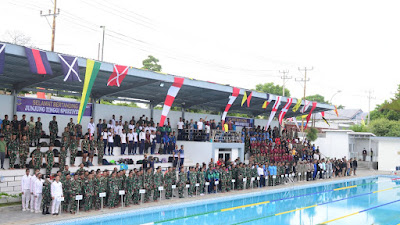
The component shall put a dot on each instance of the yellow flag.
(297, 106)
(244, 98)
(304, 116)
(264, 106)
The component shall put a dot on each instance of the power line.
(284, 78)
(54, 14)
(305, 80)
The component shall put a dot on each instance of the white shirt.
(118, 130)
(208, 128)
(135, 137)
(91, 127)
(200, 125)
(32, 183)
(113, 122)
(56, 189)
(105, 135)
(38, 187)
(110, 137)
(130, 136)
(142, 136)
(152, 137)
(131, 127)
(123, 138)
(153, 129)
(25, 182)
(147, 129)
(110, 126)
(180, 125)
(260, 171)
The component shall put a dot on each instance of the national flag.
(314, 105)
(118, 75)
(274, 109)
(323, 117)
(172, 92)
(92, 69)
(297, 106)
(38, 62)
(336, 111)
(265, 105)
(305, 107)
(232, 98)
(2, 57)
(70, 68)
(247, 97)
(284, 110)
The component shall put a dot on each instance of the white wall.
(389, 153)
(197, 152)
(335, 144)
(7, 101)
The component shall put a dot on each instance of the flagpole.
(305, 87)
(102, 45)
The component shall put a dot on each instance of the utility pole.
(54, 14)
(102, 45)
(284, 78)
(305, 79)
(369, 103)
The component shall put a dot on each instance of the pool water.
(374, 200)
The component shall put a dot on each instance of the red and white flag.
(305, 107)
(118, 75)
(172, 92)
(284, 110)
(274, 109)
(232, 98)
(314, 105)
(295, 122)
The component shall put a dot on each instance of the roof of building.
(138, 86)
(344, 114)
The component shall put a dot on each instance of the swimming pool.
(372, 200)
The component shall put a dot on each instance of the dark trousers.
(117, 140)
(130, 147)
(141, 147)
(153, 146)
(105, 145)
(123, 147)
(2, 156)
(181, 161)
(180, 132)
(262, 181)
(110, 148)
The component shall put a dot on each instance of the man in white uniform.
(56, 194)
(91, 127)
(38, 192)
(31, 188)
(25, 189)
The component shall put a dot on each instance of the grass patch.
(10, 204)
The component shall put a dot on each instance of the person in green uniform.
(49, 158)
(100, 151)
(37, 158)
(129, 188)
(73, 149)
(158, 182)
(182, 183)
(192, 181)
(46, 194)
(53, 128)
(3, 150)
(88, 193)
(67, 192)
(62, 158)
(75, 190)
(38, 132)
(113, 190)
(23, 151)
(13, 150)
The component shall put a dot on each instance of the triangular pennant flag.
(69, 66)
(232, 98)
(305, 107)
(284, 110)
(38, 62)
(304, 116)
(297, 106)
(244, 98)
(249, 98)
(265, 104)
(273, 112)
(295, 122)
(92, 69)
(323, 117)
(336, 111)
(171, 94)
(2, 57)
(118, 75)
(314, 105)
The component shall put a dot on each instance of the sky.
(351, 46)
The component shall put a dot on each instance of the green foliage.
(359, 128)
(8, 196)
(317, 98)
(131, 104)
(151, 63)
(272, 89)
(390, 109)
(312, 134)
(385, 127)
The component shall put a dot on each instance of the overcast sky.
(353, 46)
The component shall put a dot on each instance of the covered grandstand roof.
(139, 85)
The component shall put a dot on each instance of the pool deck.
(14, 215)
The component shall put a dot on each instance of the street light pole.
(334, 95)
(102, 45)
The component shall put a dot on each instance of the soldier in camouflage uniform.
(121, 183)
(248, 176)
(67, 192)
(31, 129)
(158, 182)
(23, 151)
(138, 184)
(78, 129)
(223, 181)
(49, 156)
(192, 181)
(92, 149)
(254, 174)
(13, 150)
(201, 180)
(5, 122)
(182, 183)
(62, 158)
(100, 187)
(8, 134)
(15, 126)
(241, 176)
(53, 128)
(89, 193)
(148, 184)
(66, 134)
(37, 158)
(38, 131)
(85, 145)
(46, 194)
(113, 190)
(25, 132)
(100, 151)
(168, 183)
(73, 149)
(71, 127)
(75, 190)
(228, 179)
(129, 189)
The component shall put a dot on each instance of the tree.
(272, 88)
(17, 37)
(312, 134)
(390, 109)
(359, 128)
(151, 63)
(317, 98)
(385, 127)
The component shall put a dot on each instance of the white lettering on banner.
(30, 108)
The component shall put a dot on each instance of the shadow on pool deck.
(14, 214)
